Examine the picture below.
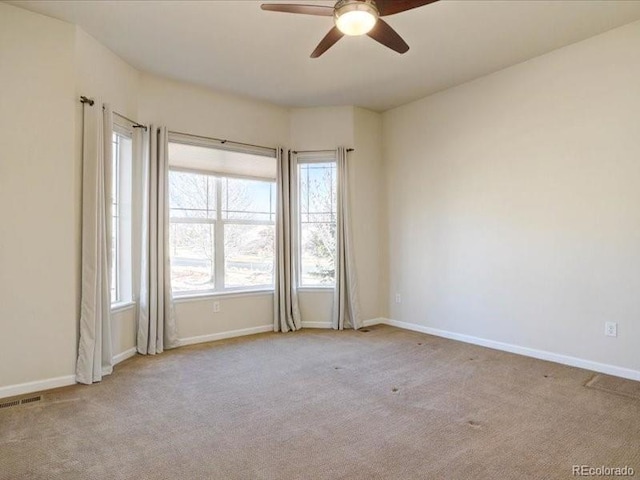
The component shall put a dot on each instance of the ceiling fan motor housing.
(355, 17)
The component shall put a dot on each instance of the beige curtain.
(94, 348)
(156, 315)
(346, 308)
(286, 314)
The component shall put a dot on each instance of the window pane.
(249, 255)
(114, 261)
(247, 200)
(245, 209)
(318, 189)
(318, 245)
(192, 257)
(115, 214)
(192, 195)
(317, 193)
(123, 213)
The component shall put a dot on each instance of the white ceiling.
(236, 47)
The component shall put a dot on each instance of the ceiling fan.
(355, 17)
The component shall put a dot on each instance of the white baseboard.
(47, 384)
(252, 331)
(121, 357)
(365, 323)
(525, 351)
(37, 386)
(316, 324)
(374, 321)
(223, 335)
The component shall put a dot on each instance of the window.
(192, 199)
(317, 221)
(222, 235)
(121, 291)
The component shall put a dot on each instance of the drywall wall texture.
(368, 213)
(55, 66)
(514, 207)
(198, 320)
(198, 111)
(99, 73)
(123, 330)
(325, 128)
(46, 64)
(37, 200)
(40, 282)
(321, 128)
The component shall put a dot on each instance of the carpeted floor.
(382, 404)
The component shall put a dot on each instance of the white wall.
(101, 74)
(366, 183)
(187, 108)
(183, 108)
(40, 282)
(325, 128)
(514, 203)
(319, 128)
(49, 65)
(37, 198)
(195, 110)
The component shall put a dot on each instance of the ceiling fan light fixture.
(356, 17)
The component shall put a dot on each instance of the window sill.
(122, 306)
(228, 294)
(316, 289)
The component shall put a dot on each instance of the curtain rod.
(222, 140)
(134, 124)
(319, 151)
(91, 101)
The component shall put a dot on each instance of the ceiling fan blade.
(327, 42)
(387, 36)
(303, 9)
(391, 7)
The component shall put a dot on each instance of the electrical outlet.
(611, 329)
(398, 298)
(216, 307)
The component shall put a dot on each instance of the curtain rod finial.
(84, 99)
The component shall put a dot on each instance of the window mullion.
(247, 222)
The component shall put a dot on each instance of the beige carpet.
(383, 404)
(615, 385)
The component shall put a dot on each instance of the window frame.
(305, 158)
(122, 178)
(219, 267)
